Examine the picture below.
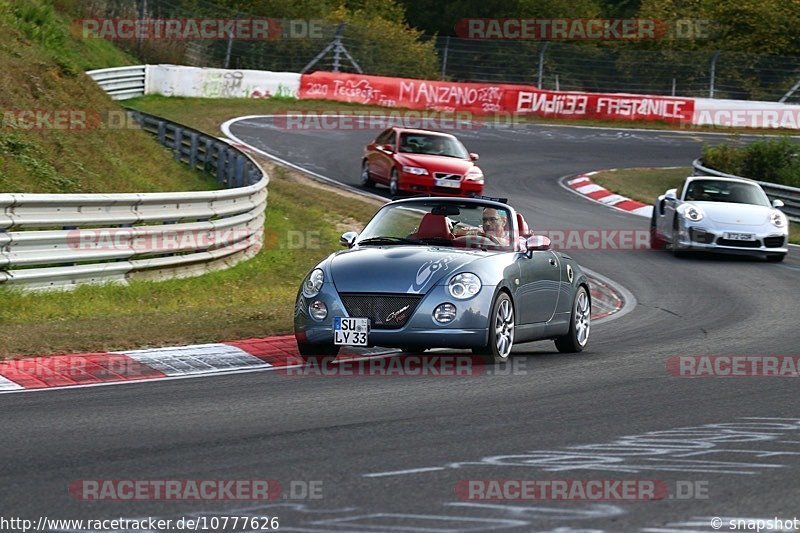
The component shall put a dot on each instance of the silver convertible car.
(720, 215)
(445, 273)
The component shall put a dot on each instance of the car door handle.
(552, 261)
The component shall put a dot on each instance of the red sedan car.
(421, 161)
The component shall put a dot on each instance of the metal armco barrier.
(123, 82)
(789, 195)
(61, 240)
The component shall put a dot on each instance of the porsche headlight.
(693, 213)
(463, 286)
(777, 219)
(475, 174)
(313, 283)
(419, 171)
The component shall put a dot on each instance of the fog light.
(444, 313)
(318, 310)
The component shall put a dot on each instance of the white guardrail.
(61, 240)
(122, 82)
(789, 195)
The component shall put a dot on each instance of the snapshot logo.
(193, 489)
(734, 366)
(372, 120)
(597, 239)
(566, 29)
(756, 117)
(426, 365)
(601, 490)
(195, 29)
(160, 239)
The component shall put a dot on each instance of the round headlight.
(695, 214)
(318, 310)
(777, 219)
(313, 283)
(463, 286)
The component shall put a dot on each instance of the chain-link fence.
(594, 67)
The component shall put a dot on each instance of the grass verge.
(646, 184)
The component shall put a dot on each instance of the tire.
(501, 331)
(775, 258)
(394, 184)
(677, 251)
(579, 324)
(656, 242)
(366, 181)
(317, 353)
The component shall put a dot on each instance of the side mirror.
(777, 204)
(537, 243)
(348, 238)
(387, 148)
(671, 194)
(473, 156)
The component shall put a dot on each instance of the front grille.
(379, 308)
(446, 176)
(739, 244)
(773, 242)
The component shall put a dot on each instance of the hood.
(436, 163)
(735, 214)
(400, 269)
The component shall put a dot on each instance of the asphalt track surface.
(390, 451)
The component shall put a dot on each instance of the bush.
(774, 161)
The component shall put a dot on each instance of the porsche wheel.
(320, 354)
(394, 184)
(501, 331)
(579, 325)
(366, 181)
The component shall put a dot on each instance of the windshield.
(462, 225)
(432, 144)
(736, 192)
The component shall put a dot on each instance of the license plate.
(350, 331)
(448, 183)
(739, 236)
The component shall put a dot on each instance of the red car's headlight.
(419, 171)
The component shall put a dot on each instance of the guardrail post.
(162, 132)
(221, 155)
(230, 163)
(193, 150)
(178, 143)
(240, 159)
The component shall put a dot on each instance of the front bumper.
(702, 237)
(422, 184)
(469, 328)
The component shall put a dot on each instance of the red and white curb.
(584, 185)
(270, 353)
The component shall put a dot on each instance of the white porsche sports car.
(709, 213)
